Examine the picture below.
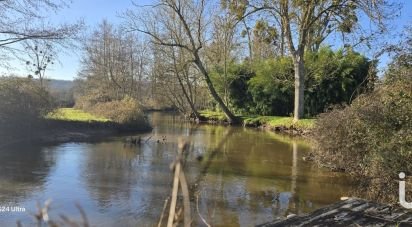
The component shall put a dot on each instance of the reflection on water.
(246, 177)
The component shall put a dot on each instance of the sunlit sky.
(94, 11)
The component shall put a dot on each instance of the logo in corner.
(402, 197)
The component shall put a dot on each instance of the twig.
(68, 221)
(177, 215)
(198, 212)
(148, 139)
(163, 212)
(84, 216)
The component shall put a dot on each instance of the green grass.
(272, 121)
(71, 114)
(275, 121)
(213, 115)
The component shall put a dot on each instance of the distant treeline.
(25, 103)
(118, 66)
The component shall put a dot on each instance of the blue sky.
(94, 11)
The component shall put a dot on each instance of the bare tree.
(22, 20)
(166, 20)
(114, 64)
(177, 79)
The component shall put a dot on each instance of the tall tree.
(170, 18)
(221, 51)
(306, 24)
(114, 64)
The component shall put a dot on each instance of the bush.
(23, 102)
(125, 111)
(272, 87)
(331, 78)
(372, 138)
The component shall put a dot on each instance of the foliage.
(277, 121)
(272, 87)
(125, 111)
(270, 121)
(22, 103)
(213, 115)
(71, 114)
(331, 78)
(304, 25)
(372, 138)
(335, 78)
(232, 84)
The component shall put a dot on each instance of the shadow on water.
(23, 171)
(245, 177)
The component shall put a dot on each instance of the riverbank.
(68, 125)
(273, 123)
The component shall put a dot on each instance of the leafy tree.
(332, 78)
(304, 25)
(272, 86)
(240, 97)
(335, 78)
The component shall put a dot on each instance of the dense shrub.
(240, 98)
(335, 78)
(22, 104)
(372, 138)
(331, 78)
(272, 87)
(124, 111)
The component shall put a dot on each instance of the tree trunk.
(299, 86)
(230, 116)
(249, 41)
(188, 99)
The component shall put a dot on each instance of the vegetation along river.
(252, 177)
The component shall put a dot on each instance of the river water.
(251, 177)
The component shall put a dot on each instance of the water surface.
(252, 177)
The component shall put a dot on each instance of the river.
(252, 177)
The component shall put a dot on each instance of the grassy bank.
(75, 118)
(276, 123)
(71, 114)
(70, 125)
